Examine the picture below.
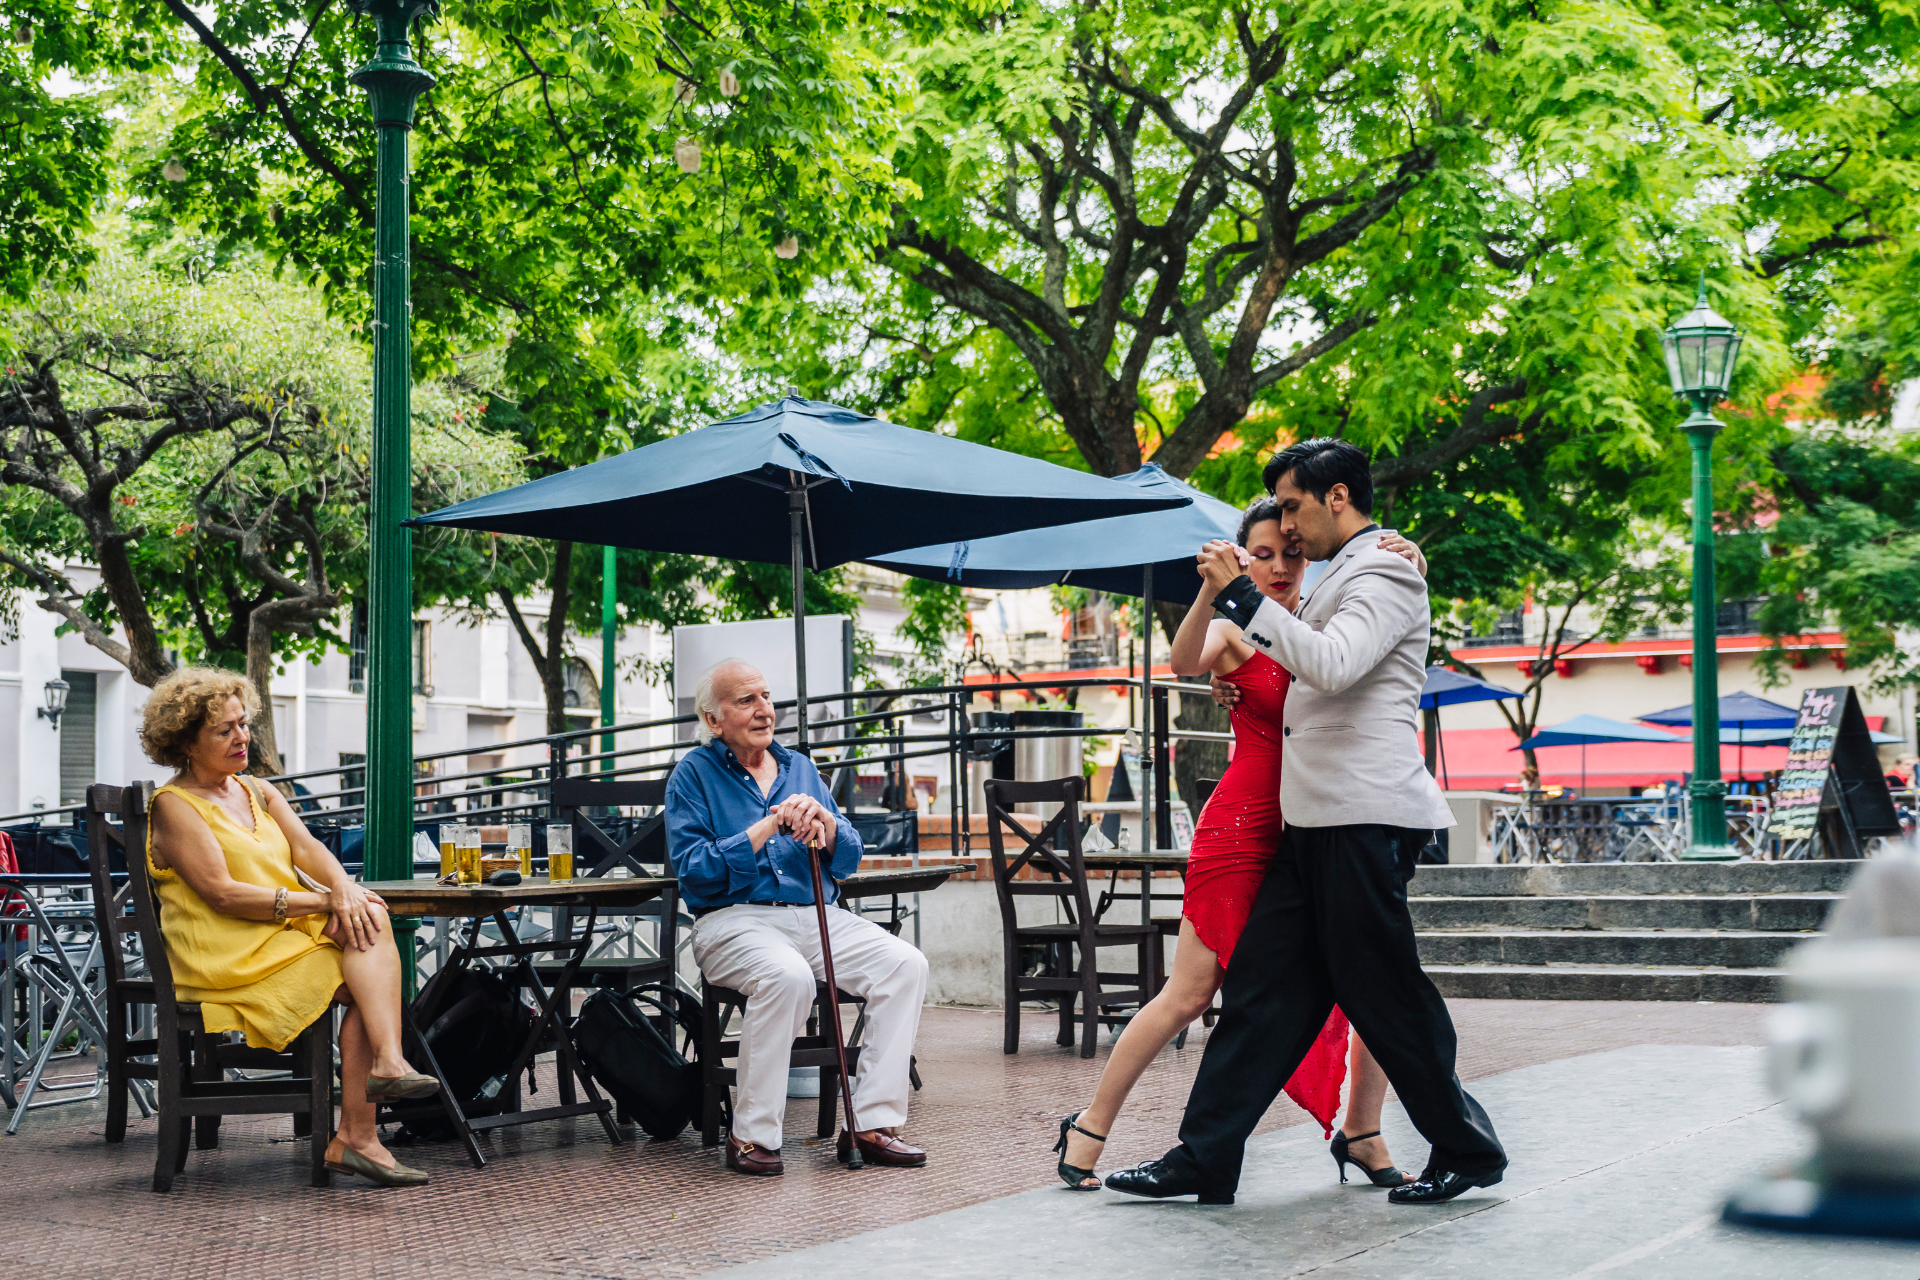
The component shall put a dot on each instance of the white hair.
(706, 702)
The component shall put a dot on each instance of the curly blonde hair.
(179, 707)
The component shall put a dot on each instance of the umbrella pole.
(1146, 709)
(1440, 741)
(796, 517)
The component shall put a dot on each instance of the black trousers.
(1331, 926)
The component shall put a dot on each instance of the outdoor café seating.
(191, 1063)
(1050, 864)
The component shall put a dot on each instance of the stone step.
(1604, 982)
(1586, 878)
(1780, 912)
(1690, 948)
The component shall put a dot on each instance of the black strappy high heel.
(1387, 1177)
(1074, 1176)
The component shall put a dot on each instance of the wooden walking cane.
(833, 1006)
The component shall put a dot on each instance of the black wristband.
(1238, 601)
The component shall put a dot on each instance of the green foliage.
(936, 614)
(1845, 551)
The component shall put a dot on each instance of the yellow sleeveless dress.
(269, 981)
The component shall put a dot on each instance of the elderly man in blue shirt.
(741, 812)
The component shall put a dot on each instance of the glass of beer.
(469, 855)
(559, 851)
(520, 844)
(449, 847)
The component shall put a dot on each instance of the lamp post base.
(1710, 853)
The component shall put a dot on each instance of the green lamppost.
(1701, 347)
(607, 600)
(394, 82)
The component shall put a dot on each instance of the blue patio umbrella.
(1742, 712)
(1581, 730)
(1150, 555)
(1444, 688)
(1737, 710)
(1121, 555)
(802, 482)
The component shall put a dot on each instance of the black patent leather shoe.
(1158, 1180)
(1437, 1186)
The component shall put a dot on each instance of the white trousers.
(772, 956)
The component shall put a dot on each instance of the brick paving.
(558, 1201)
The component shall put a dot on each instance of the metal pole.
(394, 83)
(796, 519)
(1707, 792)
(608, 709)
(1146, 708)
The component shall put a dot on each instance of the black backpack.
(476, 1024)
(655, 1083)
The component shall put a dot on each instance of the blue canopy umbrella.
(1150, 555)
(803, 482)
(1581, 730)
(1122, 555)
(1742, 712)
(1444, 688)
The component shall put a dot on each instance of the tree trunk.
(553, 678)
(261, 624)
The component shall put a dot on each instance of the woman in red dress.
(1237, 836)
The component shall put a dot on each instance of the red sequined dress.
(1238, 832)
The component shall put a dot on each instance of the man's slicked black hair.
(1321, 463)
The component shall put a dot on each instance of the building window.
(77, 735)
(357, 649)
(357, 655)
(1739, 617)
(1508, 629)
(582, 691)
(422, 674)
(353, 778)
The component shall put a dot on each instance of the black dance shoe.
(1437, 1186)
(1387, 1176)
(1158, 1180)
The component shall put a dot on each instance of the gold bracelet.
(280, 904)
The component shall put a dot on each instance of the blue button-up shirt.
(712, 800)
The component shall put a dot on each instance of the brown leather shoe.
(744, 1157)
(881, 1146)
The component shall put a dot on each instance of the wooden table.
(1145, 861)
(480, 902)
(884, 881)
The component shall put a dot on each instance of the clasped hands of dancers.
(1303, 927)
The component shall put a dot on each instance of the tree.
(1154, 222)
(200, 434)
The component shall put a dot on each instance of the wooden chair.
(595, 853)
(125, 996)
(814, 1049)
(191, 1063)
(1071, 970)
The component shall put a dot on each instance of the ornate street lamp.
(1701, 347)
(55, 692)
(394, 83)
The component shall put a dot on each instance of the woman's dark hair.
(1262, 509)
(1321, 463)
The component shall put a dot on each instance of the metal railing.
(869, 730)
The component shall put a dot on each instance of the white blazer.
(1350, 751)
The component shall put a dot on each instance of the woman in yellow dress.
(261, 952)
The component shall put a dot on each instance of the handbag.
(653, 1082)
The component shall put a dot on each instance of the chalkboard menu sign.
(1832, 771)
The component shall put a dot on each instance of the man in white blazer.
(1331, 923)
